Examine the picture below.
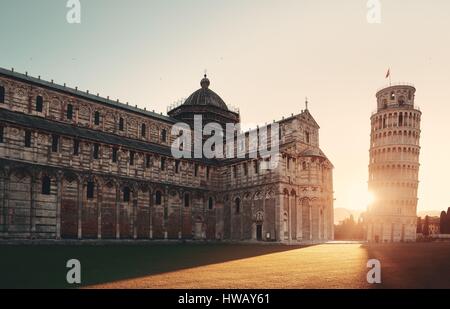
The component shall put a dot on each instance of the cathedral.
(75, 165)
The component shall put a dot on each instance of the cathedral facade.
(74, 165)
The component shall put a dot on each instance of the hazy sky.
(263, 57)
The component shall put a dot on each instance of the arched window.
(166, 213)
(196, 170)
(114, 155)
(400, 120)
(96, 151)
(148, 161)
(39, 103)
(256, 166)
(186, 200)
(55, 143)
(304, 167)
(237, 205)
(163, 135)
(132, 157)
(45, 185)
(76, 147)
(90, 190)
(392, 95)
(2, 94)
(143, 129)
(177, 166)
(97, 118)
(158, 198)
(163, 164)
(210, 203)
(69, 111)
(27, 138)
(126, 194)
(307, 137)
(121, 125)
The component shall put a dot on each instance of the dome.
(205, 96)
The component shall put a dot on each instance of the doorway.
(259, 232)
(198, 229)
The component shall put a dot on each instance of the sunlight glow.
(370, 198)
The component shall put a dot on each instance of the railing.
(175, 104)
(416, 107)
(181, 102)
(396, 84)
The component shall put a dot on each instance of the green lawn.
(421, 265)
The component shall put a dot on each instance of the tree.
(349, 229)
(443, 223)
(447, 225)
(426, 231)
(419, 225)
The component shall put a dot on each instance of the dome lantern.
(205, 82)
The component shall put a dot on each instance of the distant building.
(394, 166)
(434, 226)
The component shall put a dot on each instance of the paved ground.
(337, 265)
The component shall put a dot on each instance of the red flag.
(388, 73)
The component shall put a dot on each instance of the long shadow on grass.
(44, 266)
(412, 265)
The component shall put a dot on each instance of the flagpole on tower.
(388, 74)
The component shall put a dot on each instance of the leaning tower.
(394, 166)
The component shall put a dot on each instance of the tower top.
(396, 95)
(306, 103)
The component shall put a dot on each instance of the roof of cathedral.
(61, 128)
(205, 96)
(82, 94)
(313, 152)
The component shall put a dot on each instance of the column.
(278, 217)
(80, 207)
(4, 205)
(165, 206)
(150, 213)
(180, 232)
(117, 211)
(310, 210)
(289, 199)
(241, 217)
(99, 209)
(299, 221)
(264, 225)
(135, 206)
(32, 206)
(59, 178)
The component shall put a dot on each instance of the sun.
(359, 197)
(370, 198)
